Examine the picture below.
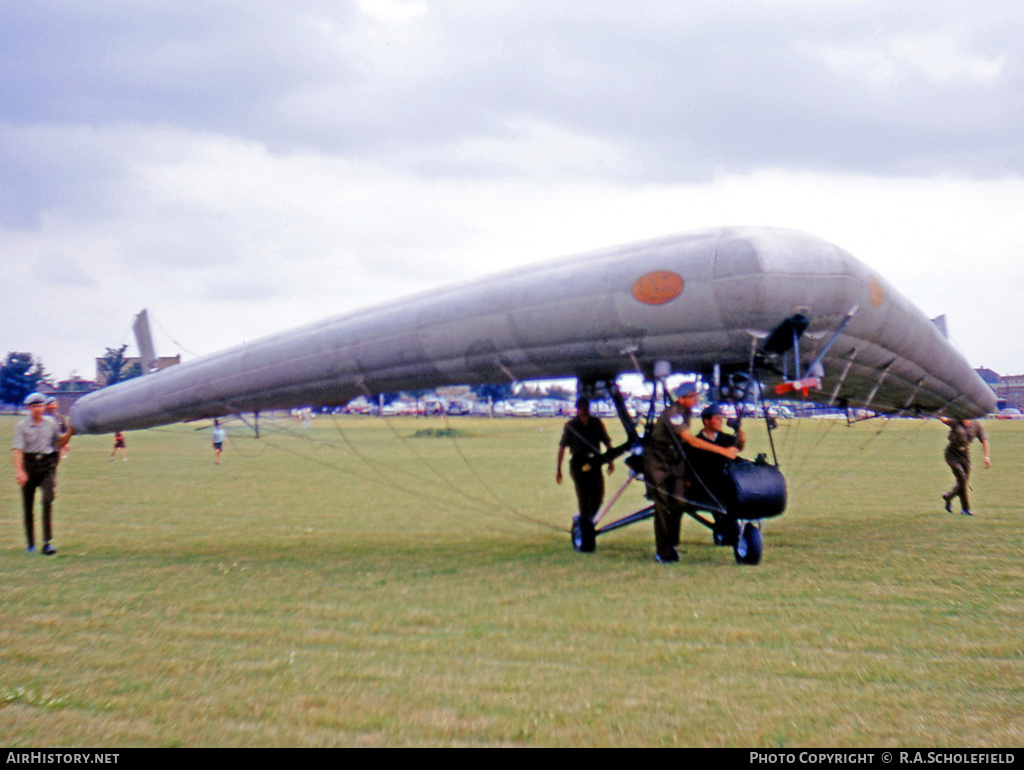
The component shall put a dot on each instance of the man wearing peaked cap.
(36, 446)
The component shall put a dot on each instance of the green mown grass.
(356, 584)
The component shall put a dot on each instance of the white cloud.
(61, 270)
(938, 59)
(393, 11)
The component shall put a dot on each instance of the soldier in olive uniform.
(961, 434)
(664, 468)
(583, 436)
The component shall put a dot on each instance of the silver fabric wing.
(697, 300)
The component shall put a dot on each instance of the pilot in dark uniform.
(709, 467)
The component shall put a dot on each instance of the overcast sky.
(240, 168)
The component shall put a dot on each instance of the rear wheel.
(749, 546)
(584, 539)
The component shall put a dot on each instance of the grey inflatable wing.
(697, 300)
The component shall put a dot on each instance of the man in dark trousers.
(665, 466)
(36, 444)
(958, 458)
(583, 435)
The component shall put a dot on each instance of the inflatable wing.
(722, 297)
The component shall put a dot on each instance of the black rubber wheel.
(584, 538)
(749, 546)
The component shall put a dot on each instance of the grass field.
(350, 584)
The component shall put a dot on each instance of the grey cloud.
(43, 167)
(686, 90)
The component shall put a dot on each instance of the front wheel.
(749, 546)
(726, 532)
(584, 539)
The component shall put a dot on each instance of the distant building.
(1009, 388)
(1010, 391)
(69, 391)
(989, 376)
(160, 363)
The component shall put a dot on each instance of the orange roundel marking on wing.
(876, 291)
(658, 287)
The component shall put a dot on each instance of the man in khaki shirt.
(958, 458)
(664, 466)
(36, 446)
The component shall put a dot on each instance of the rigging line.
(383, 469)
(270, 428)
(884, 424)
(796, 435)
(379, 466)
(693, 472)
(435, 471)
(156, 321)
(235, 440)
(440, 503)
(277, 429)
(821, 436)
(681, 449)
(481, 505)
(767, 421)
(819, 439)
(902, 437)
(787, 431)
(274, 428)
(503, 503)
(480, 480)
(445, 480)
(793, 434)
(803, 481)
(808, 453)
(255, 434)
(237, 444)
(511, 508)
(505, 370)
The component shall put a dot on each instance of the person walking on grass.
(958, 458)
(218, 440)
(119, 444)
(36, 451)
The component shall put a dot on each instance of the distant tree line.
(20, 374)
(115, 367)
